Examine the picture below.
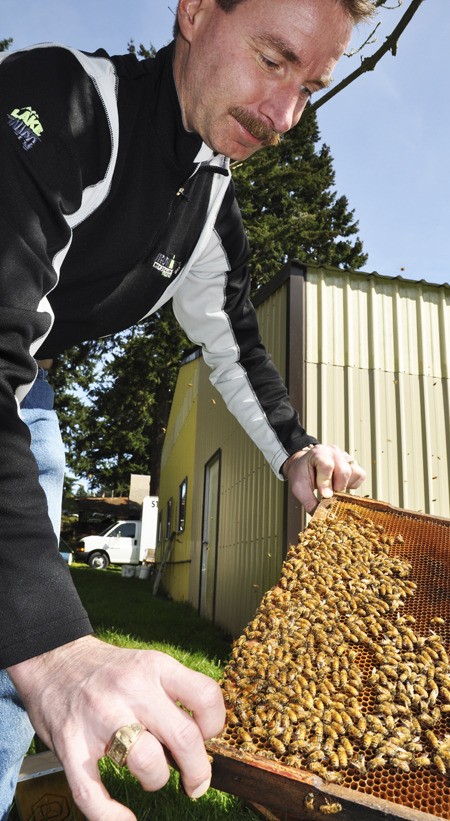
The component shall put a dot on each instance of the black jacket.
(106, 213)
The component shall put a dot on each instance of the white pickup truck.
(125, 542)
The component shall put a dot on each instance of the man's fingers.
(181, 734)
(88, 792)
(197, 693)
(336, 471)
(146, 760)
(358, 476)
(327, 469)
(324, 466)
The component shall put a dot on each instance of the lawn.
(123, 611)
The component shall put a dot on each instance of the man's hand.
(80, 694)
(325, 468)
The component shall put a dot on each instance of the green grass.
(124, 612)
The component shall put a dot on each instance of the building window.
(159, 532)
(182, 506)
(169, 518)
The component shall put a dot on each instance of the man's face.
(244, 77)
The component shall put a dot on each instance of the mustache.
(266, 136)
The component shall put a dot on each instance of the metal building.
(366, 362)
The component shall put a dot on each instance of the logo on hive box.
(50, 808)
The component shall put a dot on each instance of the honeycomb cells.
(344, 669)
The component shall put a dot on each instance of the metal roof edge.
(368, 274)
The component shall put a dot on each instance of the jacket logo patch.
(26, 125)
(167, 266)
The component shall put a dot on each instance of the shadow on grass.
(127, 605)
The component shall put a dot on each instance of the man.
(116, 197)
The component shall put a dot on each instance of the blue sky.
(389, 132)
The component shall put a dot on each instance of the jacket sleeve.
(51, 127)
(214, 308)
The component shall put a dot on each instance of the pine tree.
(290, 209)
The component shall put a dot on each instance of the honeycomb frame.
(425, 544)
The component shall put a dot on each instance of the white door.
(122, 544)
(210, 526)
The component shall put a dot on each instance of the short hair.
(358, 10)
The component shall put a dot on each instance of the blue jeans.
(16, 731)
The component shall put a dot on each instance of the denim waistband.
(41, 394)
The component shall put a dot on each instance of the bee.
(277, 745)
(342, 756)
(439, 764)
(317, 755)
(347, 745)
(308, 803)
(421, 761)
(293, 761)
(359, 763)
(330, 809)
(445, 694)
(432, 738)
(335, 764)
(400, 764)
(376, 763)
(318, 768)
(244, 735)
(332, 777)
(249, 747)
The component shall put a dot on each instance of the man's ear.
(190, 13)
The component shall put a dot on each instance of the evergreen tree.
(121, 430)
(290, 209)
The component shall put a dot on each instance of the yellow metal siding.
(180, 439)
(251, 518)
(377, 355)
(377, 383)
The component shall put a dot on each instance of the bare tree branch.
(367, 42)
(369, 63)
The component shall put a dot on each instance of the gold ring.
(122, 742)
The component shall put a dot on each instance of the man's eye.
(306, 92)
(268, 63)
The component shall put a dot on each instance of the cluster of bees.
(331, 675)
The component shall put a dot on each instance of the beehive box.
(407, 638)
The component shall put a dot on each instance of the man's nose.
(284, 109)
